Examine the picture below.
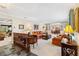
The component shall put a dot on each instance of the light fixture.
(68, 29)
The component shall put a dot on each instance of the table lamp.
(68, 29)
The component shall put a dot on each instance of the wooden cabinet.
(21, 40)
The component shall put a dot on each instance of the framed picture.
(36, 27)
(21, 26)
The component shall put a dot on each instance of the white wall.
(17, 22)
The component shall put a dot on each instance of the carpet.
(16, 51)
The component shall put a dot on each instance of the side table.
(69, 49)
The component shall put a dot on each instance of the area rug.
(16, 51)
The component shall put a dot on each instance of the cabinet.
(21, 40)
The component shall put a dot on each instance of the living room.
(39, 29)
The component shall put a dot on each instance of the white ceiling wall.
(40, 12)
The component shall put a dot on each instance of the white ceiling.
(40, 12)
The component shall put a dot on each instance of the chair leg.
(33, 45)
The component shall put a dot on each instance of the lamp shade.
(68, 29)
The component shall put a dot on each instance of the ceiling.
(40, 12)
